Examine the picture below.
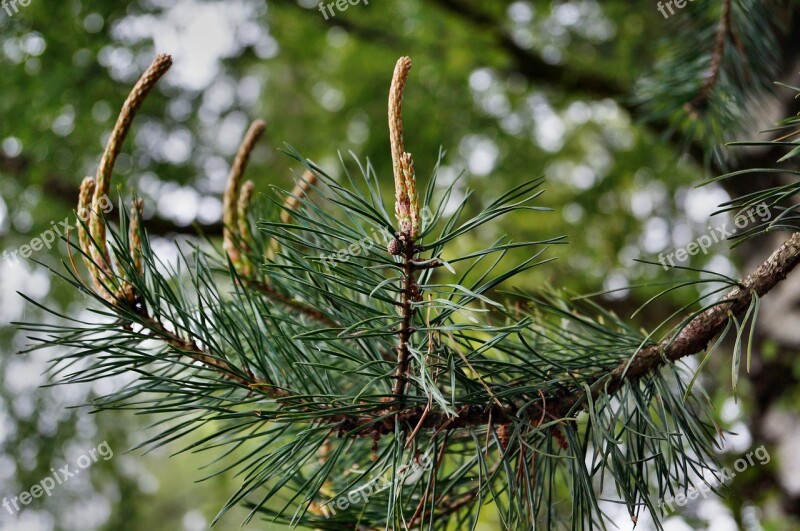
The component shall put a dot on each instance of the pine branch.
(716, 58)
(698, 333)
(407, 212)
(96, 255)
(511, 382)
(191, 349)
(692, 339)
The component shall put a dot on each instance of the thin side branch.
(275, 295)
(723, 29)
(190, 349)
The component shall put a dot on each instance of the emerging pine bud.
(299, 192)
(407, 165)
(84, 213)
(132, 104)
(406, 208)
(230, 208)
(243, 219)
(85, 241)
(393, 247)
(135, 235)
(504, 435)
